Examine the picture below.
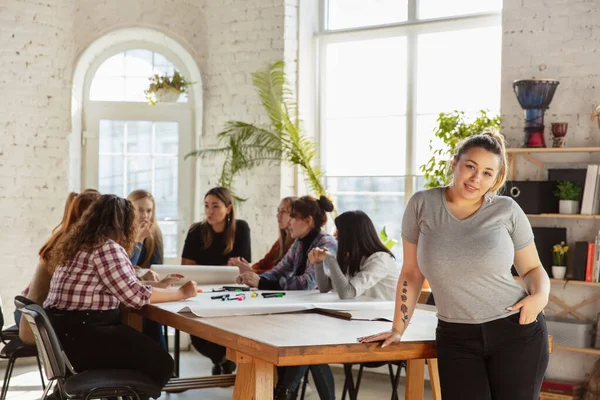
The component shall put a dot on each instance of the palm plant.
(246, 145)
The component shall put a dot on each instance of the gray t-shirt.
(467, 262)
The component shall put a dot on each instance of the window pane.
(365, 146)
(138, 63)
(114, 66)
(446, 8)
(108, 89)
(459, 70)
(343, 14)
(167, 138)
(425, 127)
(165, 187)
(111, 175)
(111, 136)
(139, 173)
(124, 76)
(139, 137)
(366, 78)
(134, 89)
(169, 231)
(382, 198)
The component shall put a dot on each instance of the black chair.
(13, 349)
(394, 377)
(90, 384)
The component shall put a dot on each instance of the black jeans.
(289, 378)
(497, 360)
(214, 351)
(98, 340)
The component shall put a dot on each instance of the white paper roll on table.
(202, 274)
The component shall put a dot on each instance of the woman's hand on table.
(248, 278)
(189, 289)
(387, 338)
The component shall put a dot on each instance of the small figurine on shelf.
(569, 194)
(559, 131)
(559, 260)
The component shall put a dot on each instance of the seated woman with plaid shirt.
(93, 276)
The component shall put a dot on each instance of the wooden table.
(259, 343)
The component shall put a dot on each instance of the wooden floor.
(25, 383)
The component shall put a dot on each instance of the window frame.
(411, 29)
(183, 113)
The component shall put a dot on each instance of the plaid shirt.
(285, 270)
(100, 280)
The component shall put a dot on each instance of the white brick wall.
(556, 39)
(229, 39)
(36, 53)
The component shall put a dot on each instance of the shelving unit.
(539, 156)
(564, 216)
(595, 352)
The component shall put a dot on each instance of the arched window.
(129, 145)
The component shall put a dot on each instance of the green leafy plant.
(176, 83)
(452, 129)
(387, 242)
(246, 145)
(567, 190)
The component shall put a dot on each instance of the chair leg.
(7, 375)
(396, 381)
(166, 334)
(176, 353)
(47, 390)
(41, 372)
(304, 384)
(359, 377)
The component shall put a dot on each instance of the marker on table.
(220, 296)
(267, 295)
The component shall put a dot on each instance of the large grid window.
(387, 69)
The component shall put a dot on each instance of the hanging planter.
(165, 88)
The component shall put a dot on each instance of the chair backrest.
(47, 343)
(22, 301)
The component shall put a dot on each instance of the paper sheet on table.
(202, 274)
(299, 300)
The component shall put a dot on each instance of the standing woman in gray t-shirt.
(491, 338)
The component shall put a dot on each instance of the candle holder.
(559, 131)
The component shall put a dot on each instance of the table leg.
(434, 378)
(415, 379)
(254, 377)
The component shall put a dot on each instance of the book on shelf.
(574, 389)
(586, 261)
(590, 203)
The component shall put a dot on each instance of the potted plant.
(165, 88)
(452, 129)
(569, 194)
(245, 145)
(559, 255)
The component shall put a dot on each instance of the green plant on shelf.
(567, 190)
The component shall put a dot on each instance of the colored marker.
(268, 295)
(220, 296)
(199, 290)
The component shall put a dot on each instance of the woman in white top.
(363, 265)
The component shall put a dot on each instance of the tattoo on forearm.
(404, 307)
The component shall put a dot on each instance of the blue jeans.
(17, 317)
(290, 377)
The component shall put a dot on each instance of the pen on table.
(219, 296)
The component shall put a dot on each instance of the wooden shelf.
(527, 150)
(595, 352)
(573, 282)
(564, 216)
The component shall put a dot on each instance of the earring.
(228, 218)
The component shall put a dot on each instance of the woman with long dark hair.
(215, 241)
(363, 265)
